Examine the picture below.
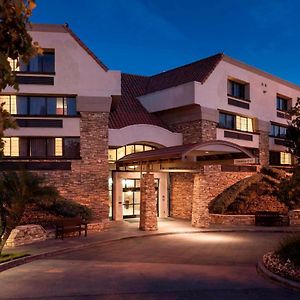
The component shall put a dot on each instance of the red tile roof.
(130, 111)
(196, 71)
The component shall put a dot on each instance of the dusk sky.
(150, 36)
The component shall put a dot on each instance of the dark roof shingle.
(130, 111)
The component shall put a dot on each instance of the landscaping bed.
(11, 256)
(285, 261)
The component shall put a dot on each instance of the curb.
(274, 277)
(31, 258)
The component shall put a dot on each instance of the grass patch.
(289, 249)
(11, 256)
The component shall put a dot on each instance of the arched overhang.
(143, 133)
(215, 148)
(191, 156)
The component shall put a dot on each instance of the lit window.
(120, 152)
(14, 146)
(285, 158)
(13, 64)
(6, 150)
(112, 154)
(139, 148)
(6, 100)
(116, 154)
(244, 124)
(60, 106)
(58, 146)
(147, 148)
(129, 149)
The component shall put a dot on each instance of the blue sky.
(151, 36)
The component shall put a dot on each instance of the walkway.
(186, 265)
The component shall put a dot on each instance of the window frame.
(48, 156)
(277, 128)
(241, 87)
(235, 124)
(282, 99)
(40, 61)
(47, 98)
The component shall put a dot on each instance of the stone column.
(148, 208)
(264, 129)
(201, 198)
(264, 148)
(94, 168)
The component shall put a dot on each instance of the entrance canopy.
(190, 156)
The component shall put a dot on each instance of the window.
(227, 121)
(282, 103)
(244, 124)
(236, 89)
(235, 122)
(285, 158)
(278, 131)
(115, 154)
(41, 147)
(280, 158)
(39, 105)
(44, 63)
(71, 147)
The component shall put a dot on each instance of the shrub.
(289, 248)
(274, 173)
(67, 208)
(289, 190)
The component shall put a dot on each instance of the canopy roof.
(213, 150)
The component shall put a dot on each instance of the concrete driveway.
(180, 266)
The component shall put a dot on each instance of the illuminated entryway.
(132, 196)
(125, 191)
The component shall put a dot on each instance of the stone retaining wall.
(217, 219)
(26, 234)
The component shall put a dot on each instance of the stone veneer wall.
(148, 208)
(207, 185)
(294, 216)
(230, 220)
(264, 148)
(196, 131)
(181, 195)
(87, 183)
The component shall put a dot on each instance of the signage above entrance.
(245, 161)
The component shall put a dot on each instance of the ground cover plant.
(22, 190)
(254, 193)
(11, 256)
(285, 260)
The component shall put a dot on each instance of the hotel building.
(130, 145)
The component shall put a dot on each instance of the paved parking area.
(181, 266)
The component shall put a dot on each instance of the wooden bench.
(70, 225)
(271, 218)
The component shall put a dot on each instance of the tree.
(15, 44)
(15, 41)
(18, 189)
(293, 132)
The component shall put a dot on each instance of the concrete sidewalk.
(129, 229)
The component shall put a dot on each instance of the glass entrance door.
(131, 197)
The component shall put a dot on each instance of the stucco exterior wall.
(76, 72)
(144, 133)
